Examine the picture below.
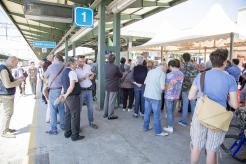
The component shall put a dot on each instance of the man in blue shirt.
(154, 84)
(234, 70)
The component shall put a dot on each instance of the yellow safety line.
(32, 140)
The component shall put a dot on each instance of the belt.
(55, 88)
(84, 89)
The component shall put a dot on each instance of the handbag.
(210, 113)
(47, 88)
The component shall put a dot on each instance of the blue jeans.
(33, 83)
(185, 103)
(53, 95)
(86, 95)
(155, 106)
(243, 94)
(139, 99)
(170, 107)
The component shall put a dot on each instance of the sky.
(183, 16)
(14, 44)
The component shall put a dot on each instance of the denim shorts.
(203, 137)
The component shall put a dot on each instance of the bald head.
(12, 61)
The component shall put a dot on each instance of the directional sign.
(83, 16)
(44, 44)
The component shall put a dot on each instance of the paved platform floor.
(120, 141)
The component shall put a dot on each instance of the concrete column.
(66, 50)
(231, 45)
(74, 49)
(101, 55)
(116, 37)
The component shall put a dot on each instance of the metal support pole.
(101, 55)
(161, 54)
(96, 54)
(116, 37)
(66, 50)
(205, 55)
(231, 45)
(129, 46)
(74, 49)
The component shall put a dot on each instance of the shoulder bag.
(210, 113)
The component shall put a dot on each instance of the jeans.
(139, 99)
(53, 95)
(94, 88)
(185, 104)
(170, 107)
(128, 95)
(33, 83)
(243, 94)
(86, 95)
(155, 106)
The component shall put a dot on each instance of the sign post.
(83, 17)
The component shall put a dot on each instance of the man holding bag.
(217, 85)
(54, 74)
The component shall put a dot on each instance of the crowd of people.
(144, 88)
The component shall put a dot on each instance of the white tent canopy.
(215, 24)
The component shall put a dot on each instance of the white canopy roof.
(215, 23)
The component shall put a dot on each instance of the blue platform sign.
(44, 44)
(83, 16)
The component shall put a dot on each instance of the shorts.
(203, 137)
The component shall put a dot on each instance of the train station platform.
(120, 141)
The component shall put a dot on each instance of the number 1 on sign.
(84, 16)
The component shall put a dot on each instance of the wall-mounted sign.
(83, 16)
(44, 44)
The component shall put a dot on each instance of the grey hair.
(11, 59)
(70, 61)
(140, 60)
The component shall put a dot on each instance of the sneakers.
(181, 123)
(124, 109)
(129, 109)
(169, 129)
(8, 135)
(141, 114)
(52, 132)
(93, 125)
(135, 115)
(162, 134)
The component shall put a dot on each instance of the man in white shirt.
(71, 89)
(85, 75)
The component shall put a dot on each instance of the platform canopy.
(42, 28)
(213, 31)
